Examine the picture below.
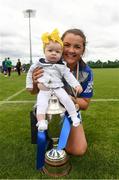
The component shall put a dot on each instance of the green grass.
(106, 83)
(101, 122)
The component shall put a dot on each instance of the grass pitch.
(101, 122)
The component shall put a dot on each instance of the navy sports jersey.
(86, 80)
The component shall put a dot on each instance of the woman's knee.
(77, 151)
(82, 150)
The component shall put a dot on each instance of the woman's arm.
(37, 73)
(35, 89)
(82, 103)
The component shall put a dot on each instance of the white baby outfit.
(52, 80)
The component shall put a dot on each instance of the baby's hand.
(78, 89)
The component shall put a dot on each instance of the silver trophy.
(56, 161)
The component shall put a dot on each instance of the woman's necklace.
(77, 77)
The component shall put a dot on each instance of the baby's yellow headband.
(54, 36)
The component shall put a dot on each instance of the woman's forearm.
(82, 103)
(35, 89)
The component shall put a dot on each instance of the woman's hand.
(37, 73)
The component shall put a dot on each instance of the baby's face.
(53, 51)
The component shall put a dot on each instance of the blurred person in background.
(4, 67)
(18, 67)
(9, 66)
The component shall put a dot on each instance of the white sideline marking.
(10, 97)
(104, 100)
(32, 101)
(17, 102)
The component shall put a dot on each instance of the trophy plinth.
(56, 163)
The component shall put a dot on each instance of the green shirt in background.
(8, 63)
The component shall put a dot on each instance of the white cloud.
(98, 19)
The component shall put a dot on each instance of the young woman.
(74, 42)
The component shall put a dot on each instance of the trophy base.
(57, 167)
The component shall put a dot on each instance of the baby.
(54, 70)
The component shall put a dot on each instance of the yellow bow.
(54, 36)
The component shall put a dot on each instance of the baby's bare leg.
(40, 117)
